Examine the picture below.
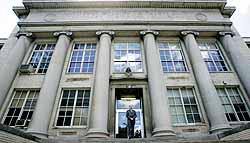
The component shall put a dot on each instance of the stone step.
(148, 140)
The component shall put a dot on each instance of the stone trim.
(226, 33)
(27, 34)
(234, 130)
(19, 133)
(67, 33)
(185, 33)
(155, 33)
(220, 4)
(99, 33)
(110, 33)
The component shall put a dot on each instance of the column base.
(97, 133)
(161, 132)
(219, 128)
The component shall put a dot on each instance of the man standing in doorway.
(131, 115)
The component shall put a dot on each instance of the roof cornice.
(29, 4)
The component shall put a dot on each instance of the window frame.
(23, 105)
(220, 51)
(82, 61)
(74, 108)
(127, 41)
(178, 42)
(43, 51)
(183, 106)
(232, 105)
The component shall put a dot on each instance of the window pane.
(212, 56)
(235, 108)
(127, 55)
(76, 103)
(21, 108)
(183, 104)
(82, 58)
(171, 57)
(120, 66)
(41, 57)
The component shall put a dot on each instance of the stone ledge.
(234, 130)
(220, 4)
(18, 133)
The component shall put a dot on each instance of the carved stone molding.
(155, 33)
(67, 33)
(111, 33)
(224, 33)
(184, 33)
(27, 34)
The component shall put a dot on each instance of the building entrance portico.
(125, 94)
(126, 97)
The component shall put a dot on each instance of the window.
(234, 105)
(22, 106)
(172, 58)
(41, 57)
(82, 58)
(127, 55)
(73, 109)
(183, 106)
(212, 57)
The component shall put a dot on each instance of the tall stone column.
(160, 108)
(240, 62)
(99, 107)
(211, 101)
(41, 116)
(8, 46)
(12, 62)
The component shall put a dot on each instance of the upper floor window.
(41, 57)
(172, 58)
(127, 54)
(183, 106)
(73, 110)
(212, 57)
(234, 105)
(82, 58)
(20, 110)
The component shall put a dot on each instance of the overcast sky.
(241, 17)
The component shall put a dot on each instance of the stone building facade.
(247, 40)
(2, 41)
(72, 68)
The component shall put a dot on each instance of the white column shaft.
(160, 109)
(240, 61)
(9, 69)
(99, 107)
(41, 117)
(211, 100)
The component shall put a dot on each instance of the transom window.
(73, 109)
(41, 57)
(183, 106)
(234, 105)
(82, 58)
(20, 110)
(127, 55)
(212, 57)
(172, 58)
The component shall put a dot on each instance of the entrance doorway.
(124, 98)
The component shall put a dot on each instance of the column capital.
(67, 33)
(155, 33)
(110, 33)
(27, 34)
(185, 33)
(224, 33)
